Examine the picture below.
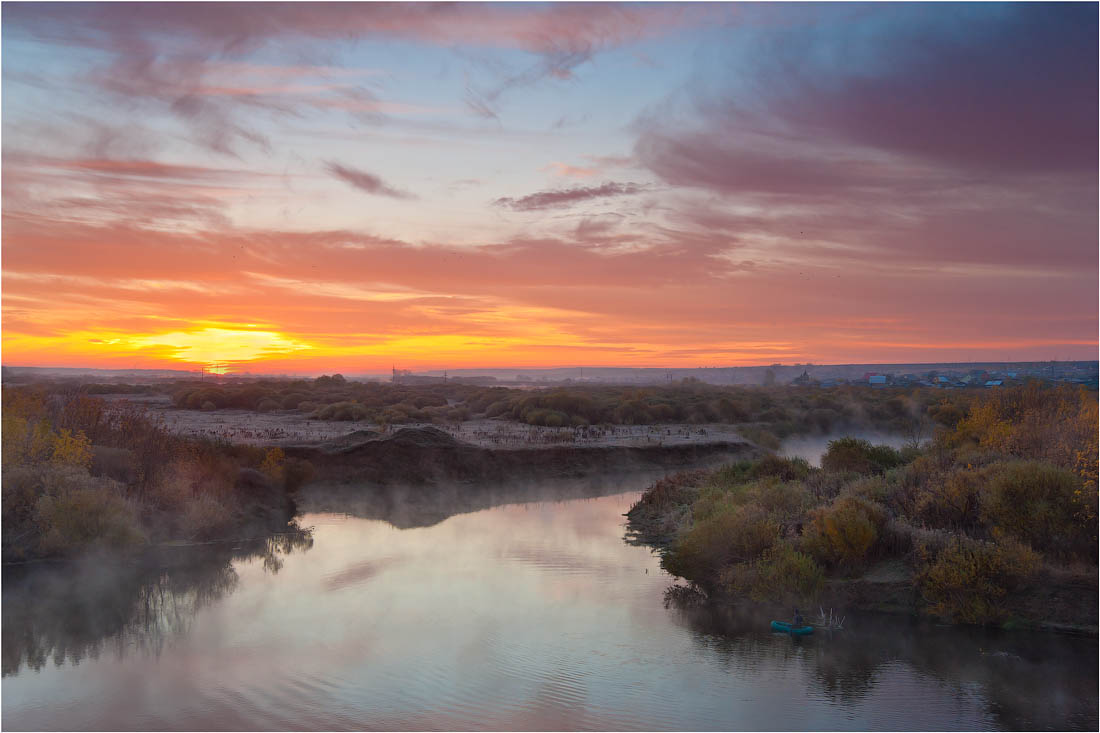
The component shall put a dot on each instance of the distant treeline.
(779, 411)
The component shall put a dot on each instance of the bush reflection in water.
(1029, 680)
(67, 613)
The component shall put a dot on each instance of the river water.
(516, 617)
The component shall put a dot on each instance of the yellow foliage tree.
(70, 449)
(274, 464)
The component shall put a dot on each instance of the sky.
(310, 187)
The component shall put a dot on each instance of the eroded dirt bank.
(419, 476)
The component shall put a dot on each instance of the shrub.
(170, 491)
(73, 450)
(733, 534)
(203, 517)
(844, 533)
(823, 485)
(676, 490)
(859, 456)
(116, 463)
(784, 469)
(763, 438)
(293, 400)
(274, 464)
(547, 418)
(781, 574)
(950, 500)
(342, 411)
(267, 404)
(1034, 502)
(968, 579)
(782, 499)
(296, 473)
(87, 513)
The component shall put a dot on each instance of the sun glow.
(219, 345)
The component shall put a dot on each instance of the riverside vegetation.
(766, 414)
(993, 521)
(81, 476)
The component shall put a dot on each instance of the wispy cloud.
(364, 181)
(567, 197)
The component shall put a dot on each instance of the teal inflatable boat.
(786, 628)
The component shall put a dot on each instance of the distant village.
(955, 379)
(939, 376)
(988, 375)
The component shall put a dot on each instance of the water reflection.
(73, 612)
(519, 617)
(409, 507)
(1023, 680)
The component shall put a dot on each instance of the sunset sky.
(306, 188)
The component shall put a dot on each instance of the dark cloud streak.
(567, 197)
(364, 181)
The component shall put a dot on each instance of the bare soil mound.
(425, 437)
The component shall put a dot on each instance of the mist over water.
(812, 447)
(520, 616)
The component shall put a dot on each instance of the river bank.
(419, 476)
(962, 534)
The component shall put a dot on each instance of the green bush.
(342, 411)
(1034, 502)
(968, 580)
(732, 534)
(782, 574)
(784, 469)
(858, 456)
(782, 499)
(547, 418)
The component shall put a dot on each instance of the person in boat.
(797, 619)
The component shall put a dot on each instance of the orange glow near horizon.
(228, 348)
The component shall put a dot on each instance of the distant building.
(994, 383)
(879, 379)
(804, 380)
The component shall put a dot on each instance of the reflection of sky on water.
(517, 617)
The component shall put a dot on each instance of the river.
(516, 617)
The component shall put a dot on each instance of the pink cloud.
(571, 171)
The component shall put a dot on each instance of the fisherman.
(797, 619)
